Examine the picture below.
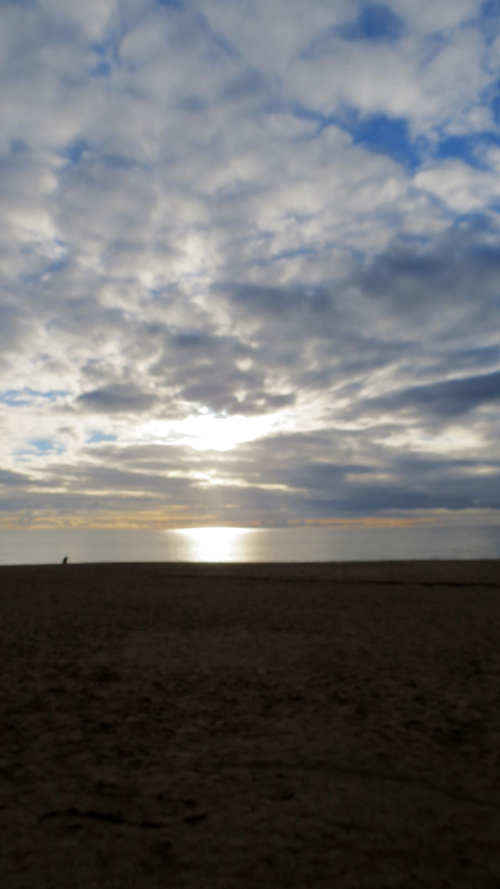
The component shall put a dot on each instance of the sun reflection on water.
(216, 544)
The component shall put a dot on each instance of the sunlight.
(215, 544)
(205, 432)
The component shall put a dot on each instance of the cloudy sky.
(250, 261)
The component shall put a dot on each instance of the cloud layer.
(249, 260)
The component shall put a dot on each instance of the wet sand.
(250, 726)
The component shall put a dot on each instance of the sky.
(249, 262)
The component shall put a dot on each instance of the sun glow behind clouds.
(206, 432)
(215, 544)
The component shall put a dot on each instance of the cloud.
(118, 397)
(274, 224)
(248, 84)
(448, 399)
(12, 479)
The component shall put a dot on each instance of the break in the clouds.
(249, 260)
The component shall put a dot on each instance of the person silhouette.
(65, 560)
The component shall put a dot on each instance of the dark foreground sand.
(250, 726)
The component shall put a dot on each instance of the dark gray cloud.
(446, 400)
(12, 479)
(457, 270)
(117, 397)
(12, 327)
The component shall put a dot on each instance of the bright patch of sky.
(207, 432)
(252, 243)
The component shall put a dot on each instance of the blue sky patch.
(376, 22)
(378, 133)
(102, 69)
(42, 444)
(467, 148)
(385, 135)
(491, 9)
(26, 396)
(74, 151)
(46, 446)
(98, 437)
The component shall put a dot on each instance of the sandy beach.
(322, 725)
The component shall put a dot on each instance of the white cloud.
(464, 190)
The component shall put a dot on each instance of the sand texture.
(250, 726)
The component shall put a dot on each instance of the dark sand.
(242, 726)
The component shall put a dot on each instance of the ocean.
(297, 544)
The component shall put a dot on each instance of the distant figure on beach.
(65, 560)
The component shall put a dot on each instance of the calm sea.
(299, 544)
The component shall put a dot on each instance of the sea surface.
(298, 544)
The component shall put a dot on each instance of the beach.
(226, 726)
